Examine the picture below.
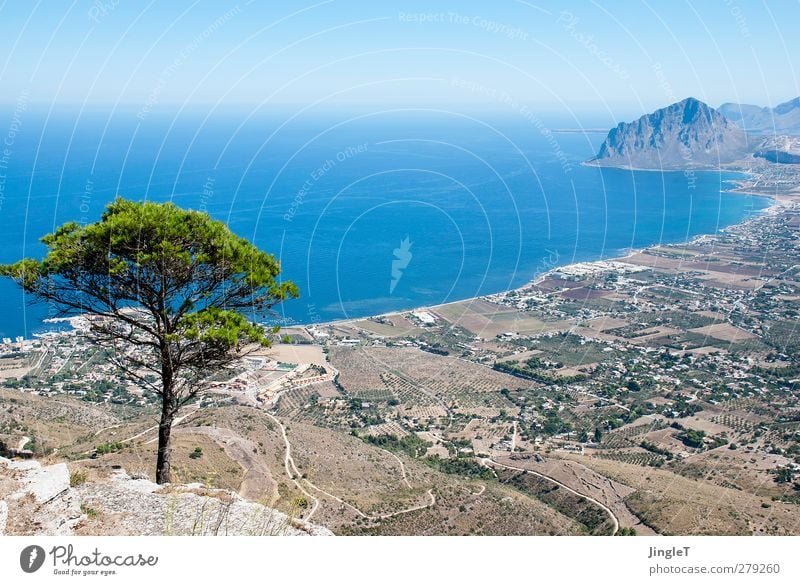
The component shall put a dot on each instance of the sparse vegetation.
(90, 512)
(106, 448)
(410, 444)
(468, 467)
(78, 477)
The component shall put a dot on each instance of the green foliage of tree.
(536, 369)
(653, 448)
(554, 425)
(784, 474)
(176, 285)
(468, 467)
(633, 386)
(411, 444)
(692, 438)
(105, 448)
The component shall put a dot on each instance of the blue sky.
(626, 57)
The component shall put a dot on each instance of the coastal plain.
(654, 393)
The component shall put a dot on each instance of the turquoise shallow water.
(367, 214)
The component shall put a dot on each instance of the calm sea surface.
(367, 214)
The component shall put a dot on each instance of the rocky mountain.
(687, 134)
(782, 119)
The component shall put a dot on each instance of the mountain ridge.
(782, 119)
(686, 134)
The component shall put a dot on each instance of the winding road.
(291, 468)
(295, 475)
(605, 508)
(177, 421)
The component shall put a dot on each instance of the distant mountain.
(782, 119)
(780, 149)
(687, 134)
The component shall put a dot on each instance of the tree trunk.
(169, 408)
(163, 474)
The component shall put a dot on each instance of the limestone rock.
(3, 517)
(47, 483)
(688, 134)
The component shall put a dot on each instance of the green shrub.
(109, 448)
(78, 477)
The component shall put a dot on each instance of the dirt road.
(297, 477)
(600, 505)
(258, 484)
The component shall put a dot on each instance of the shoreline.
(778, 202)
(737, 166)
(698, 169)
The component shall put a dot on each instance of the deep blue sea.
(462, 205)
